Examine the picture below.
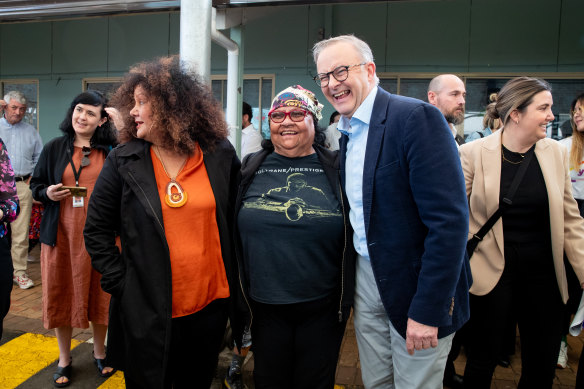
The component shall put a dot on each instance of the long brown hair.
(577, 136)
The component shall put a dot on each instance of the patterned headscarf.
(297, 96)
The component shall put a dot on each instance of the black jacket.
(330, 164)
(126, 199)
(53, 161)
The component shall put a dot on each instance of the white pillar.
(232, 80)
(195, 36)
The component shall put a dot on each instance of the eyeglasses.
(85, 161)
(340, 74)
(297, 115)
(578, 111)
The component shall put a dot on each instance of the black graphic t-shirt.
(291, 228)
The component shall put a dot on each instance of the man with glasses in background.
(402, 175)
(24, 145)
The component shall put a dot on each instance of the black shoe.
(504, 362)
(453, 381)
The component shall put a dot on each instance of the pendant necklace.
(173, 199)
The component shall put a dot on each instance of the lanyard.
(76, 173)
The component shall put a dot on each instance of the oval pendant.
(175, 199)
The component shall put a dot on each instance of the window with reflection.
(258, 92)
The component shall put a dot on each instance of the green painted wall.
(432, 37)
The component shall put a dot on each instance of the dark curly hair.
(183, 107)
(104, 135)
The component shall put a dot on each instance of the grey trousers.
(385, 362)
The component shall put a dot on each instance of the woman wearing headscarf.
(294, 242)
(168, 191)
(518, 267)
(72, 296)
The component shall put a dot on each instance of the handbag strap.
(507, 200)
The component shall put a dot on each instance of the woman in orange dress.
(72, 296)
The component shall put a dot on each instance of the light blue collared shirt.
(23, 144)
(357, 129)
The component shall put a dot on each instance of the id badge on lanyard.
(77, 202)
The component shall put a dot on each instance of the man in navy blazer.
(402, 174)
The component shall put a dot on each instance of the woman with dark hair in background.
(294, 241)
(8, 213)
(63, 181)
(168, 191)
(518, 267)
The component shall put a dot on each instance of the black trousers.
(528, 288)
(194, 348)
(5, 279)
(296, 346)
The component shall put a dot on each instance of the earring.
(517, 122)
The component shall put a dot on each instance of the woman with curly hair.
(72, 297)
(168, 191)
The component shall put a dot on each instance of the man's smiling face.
(346, 96)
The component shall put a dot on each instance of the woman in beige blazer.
(518, 267)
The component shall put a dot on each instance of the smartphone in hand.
(76, 191)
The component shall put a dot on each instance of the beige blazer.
(481, 164)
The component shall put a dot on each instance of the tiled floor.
(26, 315)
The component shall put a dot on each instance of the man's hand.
(420, 336)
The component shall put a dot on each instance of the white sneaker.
(563, 356)
(23, 281)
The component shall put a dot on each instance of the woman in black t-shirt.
(294, 245)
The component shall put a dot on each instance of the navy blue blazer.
(416, 214)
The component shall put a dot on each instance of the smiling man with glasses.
(409, 214)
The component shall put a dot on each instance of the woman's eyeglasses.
(85, 161)
(297, 115)
(340, 73)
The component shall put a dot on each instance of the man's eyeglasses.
(340, 73)
(297, 115)
(85, 161)
(578, 111)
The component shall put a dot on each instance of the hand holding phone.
(76, 191)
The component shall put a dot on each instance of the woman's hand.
(55, 193)
(116, 117)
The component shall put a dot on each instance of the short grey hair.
(15, 95)
(360, 45)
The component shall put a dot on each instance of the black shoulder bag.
(473, 242)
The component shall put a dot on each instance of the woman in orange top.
(168, 191)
